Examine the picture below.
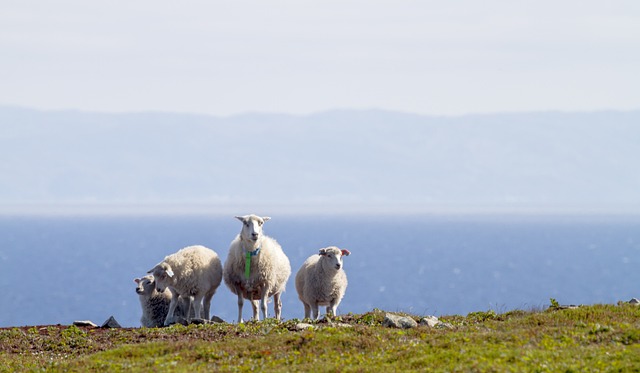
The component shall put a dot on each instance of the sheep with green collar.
(321, 281)
(256, 268)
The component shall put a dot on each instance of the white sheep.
(321, 281)
(155, 305)
(256, 268)
(194, 272)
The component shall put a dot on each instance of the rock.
(342, 325)
(634, 301)
(179, 320)
(430, 321)
(216, 319)
(111, 323)
(302, 326)
(85, 323)
(198, 321)
(401, 322)
(444, 325)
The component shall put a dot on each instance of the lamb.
(155, 305)
(194, 272)
(321, 281)
(256, 268)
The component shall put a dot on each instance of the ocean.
(58, 269)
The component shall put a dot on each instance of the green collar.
(247, 262)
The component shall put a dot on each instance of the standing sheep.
(194, 271)
(155, 305)
(256, 268)
(321, 281)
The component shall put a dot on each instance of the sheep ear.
(169, 273)
(345, 252)
(322, 252)
(265, 218)
(241, 218)
(137, 280)
(152, 269)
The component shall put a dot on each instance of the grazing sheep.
(194, 272)
(256, 268)
(155, 305)
(321, 281)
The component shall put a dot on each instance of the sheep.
(321, 281)
(194, 272)
(155, 305)
(256, 268)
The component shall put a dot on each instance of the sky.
(299, 57)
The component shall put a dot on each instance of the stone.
(85, 323)
(303, 325)
(444, 325)
(111, 323)
(430, 321)
(198, 321)
(216, 319)
(400, 322)
(635, 301)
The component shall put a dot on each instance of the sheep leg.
(263, 302)
(172, 309)
(332, 310)
(197, 305)
(307, 310)
(314, 310)
(254, 306)
(277, 305)
(207, 303)
(240, 304)
(191, 312)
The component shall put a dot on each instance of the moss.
(593, 338)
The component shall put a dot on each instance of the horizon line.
(314, 112)
(304, 209)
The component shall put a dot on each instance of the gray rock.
(430, 321)
(198, 321)
(85, 323)
(216, 319)
(635, 301)
(302, 326)
(111, 323)
(400, 322)
(444, 325)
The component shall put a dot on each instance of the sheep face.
(332, 257)
(146, 285)
(163, 276)
(252, 227)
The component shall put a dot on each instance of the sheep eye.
(260, 223)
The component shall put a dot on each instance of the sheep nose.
(254, 235)
(338, 266)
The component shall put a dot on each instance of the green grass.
(586, 339)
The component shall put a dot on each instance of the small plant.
(482, 316)
(554, 304)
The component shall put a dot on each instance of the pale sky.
(228, 57)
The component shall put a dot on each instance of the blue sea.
(55, 270)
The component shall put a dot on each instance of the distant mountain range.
(343, 160)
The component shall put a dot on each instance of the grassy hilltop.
(589, 338)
